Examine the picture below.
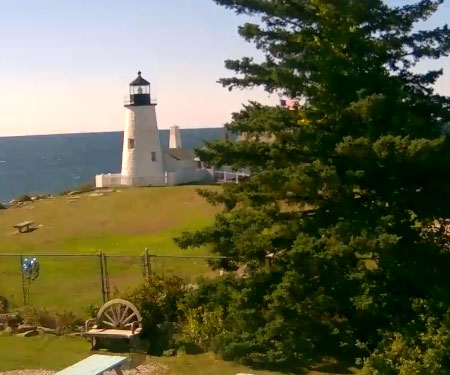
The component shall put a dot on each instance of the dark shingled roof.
(181, 153)
(139, 81)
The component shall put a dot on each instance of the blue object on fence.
(30, 268)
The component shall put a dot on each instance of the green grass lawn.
(118, 223)
(50, 353)
(56, 353)
(122, 222)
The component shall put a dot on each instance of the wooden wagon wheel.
(119, 314)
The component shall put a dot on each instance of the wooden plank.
(111, 333)
(94, 365)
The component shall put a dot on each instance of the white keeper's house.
(144, 162)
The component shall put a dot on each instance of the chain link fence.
(74, 282)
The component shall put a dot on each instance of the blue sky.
(65, 64)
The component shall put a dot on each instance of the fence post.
(106, 275)
(147, 265)
(23, 282)
(102, 275)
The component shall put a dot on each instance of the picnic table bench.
(95, 365)
(24, 226)
(116, 319)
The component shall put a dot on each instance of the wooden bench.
(24, 226)
(95, 365)
(116, 319)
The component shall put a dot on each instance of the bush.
(64, 321)
(39, 317)
(13, 319)
(252, 328)
(4, 305)
(202, 326)
(158, 302)
(92, 310)
(211, 293)
(422, 347)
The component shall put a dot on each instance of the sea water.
(54, 163)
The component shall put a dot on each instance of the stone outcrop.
(30, 333)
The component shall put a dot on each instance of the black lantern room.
(139, 91)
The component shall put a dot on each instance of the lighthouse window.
(130, 143)
(153, 156)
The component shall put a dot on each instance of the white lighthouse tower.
(142, 162)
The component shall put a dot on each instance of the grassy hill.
(123, 222)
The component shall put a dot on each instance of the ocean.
(54, 163)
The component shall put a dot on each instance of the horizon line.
(102, 132)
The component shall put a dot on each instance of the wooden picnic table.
(95, 365)
(24, 226)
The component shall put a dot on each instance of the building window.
(153, 156)
(130, 143)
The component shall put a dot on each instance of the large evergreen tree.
(350, 191)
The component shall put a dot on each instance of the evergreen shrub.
(157, 300)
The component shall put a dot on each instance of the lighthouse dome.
(139, 81)
(139, 92)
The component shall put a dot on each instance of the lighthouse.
(142, 161)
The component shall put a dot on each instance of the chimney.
(175, 137)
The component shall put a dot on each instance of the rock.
(48, 331)
(169, 353)
(25, 328)
(28, 334)
(75, 192)
(104, 191)
(96, 195)
(2, 326)
(8, 331)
